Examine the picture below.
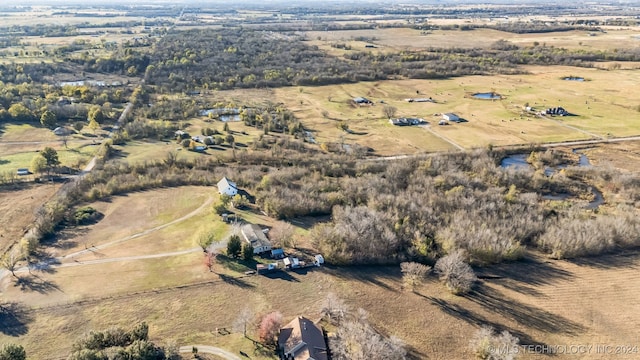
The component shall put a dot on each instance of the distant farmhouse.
(450, 117)
(302, 339)
(406, 121)
(227, 187)
(362, 101)
(560, 111)
(254, 235)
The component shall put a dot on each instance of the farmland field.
(599, 111)
(319, 173)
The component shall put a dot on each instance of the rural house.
(362, 101)
(254, 235)
(227, 187)
(302, 339)
(450, 117)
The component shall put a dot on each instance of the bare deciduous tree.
(356, 339)
(389, 111)
(488, 345)
(281, 235)
(413, 274)
(333, 308)
(242, 322)
(455, 273)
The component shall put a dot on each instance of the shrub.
(85, 215)
(456, 274)
(488, 345)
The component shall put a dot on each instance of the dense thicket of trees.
(413, 209)
(117, 343)
(240, 57)
(229, 58)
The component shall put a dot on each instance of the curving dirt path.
(205, 349)
(137, 235)
(57, 262)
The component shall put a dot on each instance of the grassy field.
(542, 302)
(17, 206)
(600, 108)
(19, 143)
(404, 38)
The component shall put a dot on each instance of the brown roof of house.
(303, 340)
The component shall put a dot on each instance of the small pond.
(227, 118)
(573, 78)
(224, 114)
(487, 96)
(519, 161)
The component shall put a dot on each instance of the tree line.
(415, 209)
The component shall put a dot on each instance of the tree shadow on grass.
(524, 275)
(34, 283)
(630, 259)
(282, 275)
(478, 320)
(236, 264)
(236, 281)
(373, 275)
(14, 319)
(527, 315)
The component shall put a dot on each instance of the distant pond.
(487, 96)
(573, 78)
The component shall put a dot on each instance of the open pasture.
(605, 105)
(550, 303)
(406, 38)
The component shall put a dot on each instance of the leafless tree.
(488, 345)
(356, 339)
(389, 111)
(455, 273)
(282, 234)
(413, 274)
(333, 308)
(244, 319)
(171, 158)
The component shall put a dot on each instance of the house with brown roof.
(301, 339)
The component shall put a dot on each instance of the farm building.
(362, 101)
(61, 131)
(227, 187)
(450, 117)
(302, 339)
(254, 235)
(406, 121)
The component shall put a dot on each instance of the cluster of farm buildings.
(301, 338)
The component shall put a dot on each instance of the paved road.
(205, 349)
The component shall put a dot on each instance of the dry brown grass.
(17, 207)
(404, 38)
(553, 303)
